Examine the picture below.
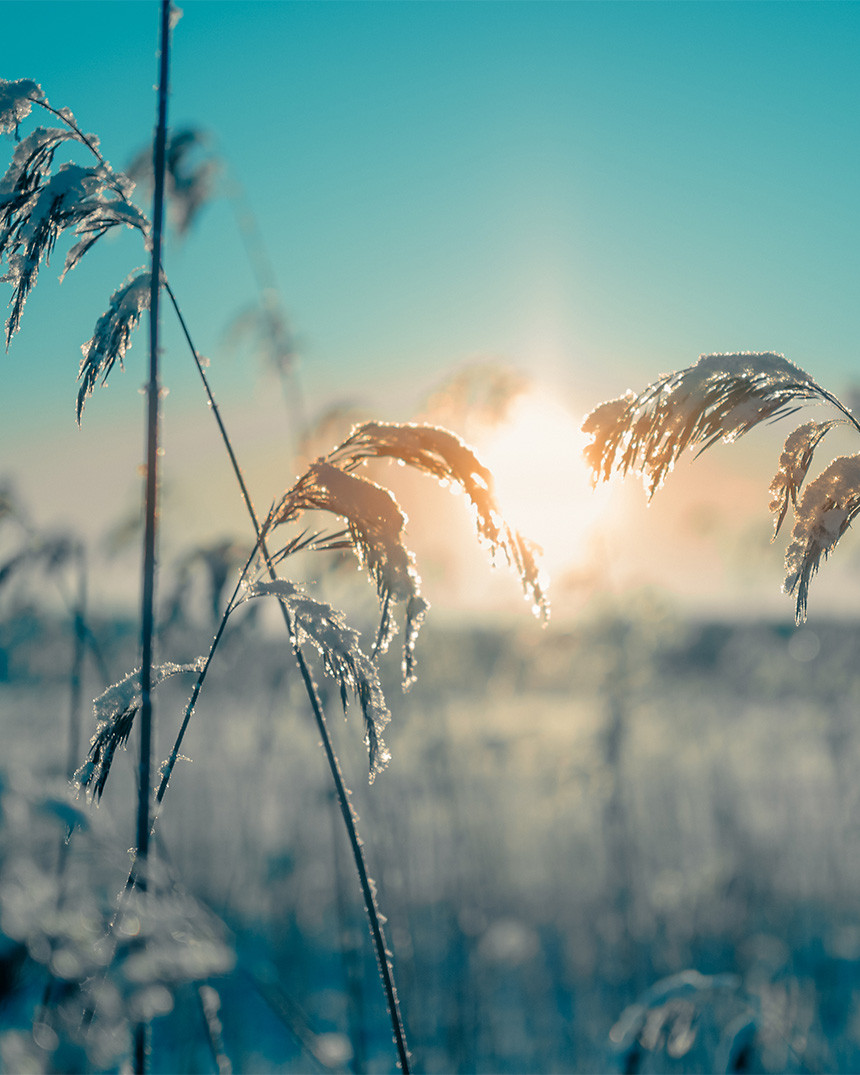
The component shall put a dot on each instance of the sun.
(543, 485)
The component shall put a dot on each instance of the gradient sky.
(593, 192)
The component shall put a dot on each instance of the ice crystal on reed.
(112, 335)
(343, 659)
(115, 710)
(36, 207)
(444, 455)
(721, 397)
(31, 163)
(16, 101)
(824, 513)
(376, 526)
(794, 463)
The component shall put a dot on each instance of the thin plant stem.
(264, 275)
(167, 768)
(382, 955)
(79, 652)
(147, 616)
(75, 712)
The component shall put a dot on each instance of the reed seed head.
(112, 336)
(115, 710)
(446, 457)
(343, 659)
(721, 397)
(826, 510)
(794, 463)
(376, 525)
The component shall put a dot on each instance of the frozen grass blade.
(112, 336)
(115, 710)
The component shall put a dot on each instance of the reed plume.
(722, 397)
(442, 454)
(112, 336)
(115, 710)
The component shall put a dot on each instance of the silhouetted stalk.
(382, 955)
(75, 712)
(147, 617)
(198, 686)
(349, 955)
(76, 672)
(264, 275)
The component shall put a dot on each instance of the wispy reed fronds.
(112, 336)
(722, 397)
(482, 391)
(218, 561)
(794, 462)
(824, 513)
(445, 456)
(37, 206)
(50, 554)
(342, 657)
(115, 710)
(189, 174)
(375, 525)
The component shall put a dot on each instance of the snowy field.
(569, 819)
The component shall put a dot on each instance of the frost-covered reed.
(720, 398)
(39, 205)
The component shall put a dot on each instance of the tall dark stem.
(147, 616)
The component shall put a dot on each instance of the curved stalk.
(167, 768)
(837, 403)
(382, 955)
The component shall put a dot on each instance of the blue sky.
(593, 192)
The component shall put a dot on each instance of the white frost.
(16, 101)
(824, 513)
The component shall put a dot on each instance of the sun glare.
(542, 482)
